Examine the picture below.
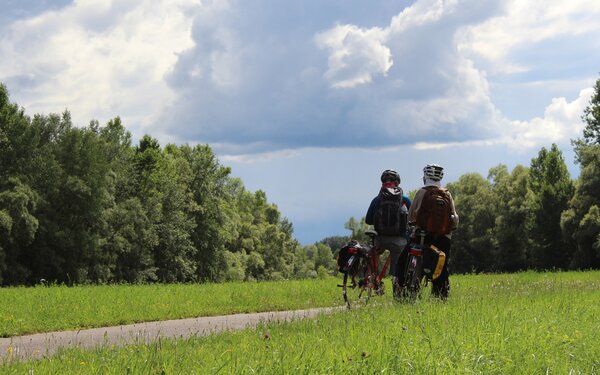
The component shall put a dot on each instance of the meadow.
(526, 323)
(58, 307)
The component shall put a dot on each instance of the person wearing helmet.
(388, 214)
(438, 222)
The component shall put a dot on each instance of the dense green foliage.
(82, 205)
(581, 222)
(511, 220)
(494, 324)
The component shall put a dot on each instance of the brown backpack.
(435, 211)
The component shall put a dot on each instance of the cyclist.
(439, 230)
(388, 213)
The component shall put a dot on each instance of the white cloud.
(264, 157)
(356, 54)
(424, 146)
(98, 59)
(561, 122)
(252, 77)
(421, 13)
(527, 22)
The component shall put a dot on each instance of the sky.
(311, 100)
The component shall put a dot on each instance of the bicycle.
(364, 264)
(424, 263)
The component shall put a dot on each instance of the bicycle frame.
(374, 276)
(367, 269)
(413, 272)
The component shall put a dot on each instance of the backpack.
(435, 211)
(344, 261)
(391, 216)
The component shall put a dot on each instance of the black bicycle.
(424, 263)
(413, 275)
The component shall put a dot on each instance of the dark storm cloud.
(260, 75)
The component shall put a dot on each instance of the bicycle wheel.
(357, 285)
(412, 278)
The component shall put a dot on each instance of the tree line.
(86, 205)
(81, 205)
(533, 217)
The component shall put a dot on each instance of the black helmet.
(390, 175)
(433, 172)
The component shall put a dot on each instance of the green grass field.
(54, 308)
(527, 323)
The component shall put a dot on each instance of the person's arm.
(406, 200)
(371, 211)
(415, 206)
(454, 216)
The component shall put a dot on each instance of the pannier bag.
(348, 256)
(433, 262)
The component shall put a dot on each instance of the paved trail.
(46, 344)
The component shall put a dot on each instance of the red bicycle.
(362, 276)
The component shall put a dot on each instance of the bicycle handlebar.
(420, 232)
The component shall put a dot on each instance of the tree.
(208, 181)
(513, 220)
(324, 258)
(81, 204)
(477, 207)
(581, 222)
(591, 116)
(175, 254)
(553, 188)
(335, 243)
(18, 227)
(304, 264)
(358, 228)
(18, 198)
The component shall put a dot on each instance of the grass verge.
(492, 324)
(54, 308)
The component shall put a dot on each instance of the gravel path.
(46, 344)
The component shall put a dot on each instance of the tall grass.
(526, 323)
(46, 309)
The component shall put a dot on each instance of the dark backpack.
(345, 260)
(391, 216)
(435, 211)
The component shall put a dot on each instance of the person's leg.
(395, 245)
(395, 248)
(401, 266)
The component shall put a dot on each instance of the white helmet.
(433, 172)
